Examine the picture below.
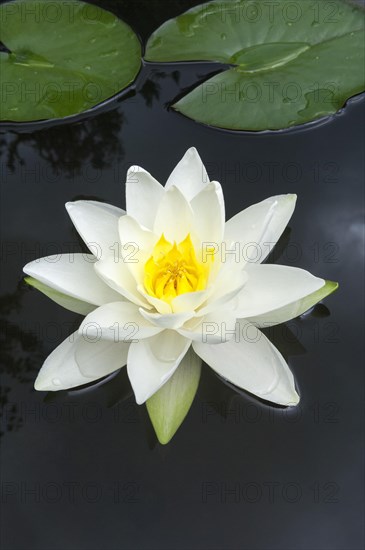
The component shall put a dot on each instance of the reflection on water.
(20, 349)
(68, 148)
(151, 88)
(20, 355)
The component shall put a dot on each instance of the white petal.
(118, 322)
(97, 224)
(131, 231)
(168, 320)
(271, 287)
(137, 246)
(292, 310)
(143, 195)
(153, 361)
(97, 358)
(115, 273)
(174, 216)
(209, 214)
(256, 230)
(230, 281)
(74, 275)
(160, 305)
(253, 364)
(189, 301)
(72, 304)
(214, 328)
(189, 175)
(184, 303)
(60, 370)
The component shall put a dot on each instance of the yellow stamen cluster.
(174, 269)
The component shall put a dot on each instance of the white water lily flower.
(170, 277)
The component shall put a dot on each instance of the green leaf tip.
(63, 300)
(331, 286)
(328, 288)
(296, 308)
(168, 407)
(29, 281)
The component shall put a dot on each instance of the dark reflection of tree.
(151, 89)
(69, 147)
(20, 355)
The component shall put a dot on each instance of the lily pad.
(290, 62)
(62, 58)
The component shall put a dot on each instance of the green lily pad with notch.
(62, 58)
(290, 62)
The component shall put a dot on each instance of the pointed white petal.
(174, 216)
(189, 301)
(252, 364)
(256, 230)
(97, 358)
(118, 322)
(293, 309)
(230, 281)
(97, 224)
(60, 370)
(72, 304)
(271, 287)
(74, 275)
(143, 195)
(153, 361)
(169, 320)
(209, 214)
(160, 305)
(185, 304)
(189, 175)
(168, 407)
(214, 328)
(137, 246)
(115, 273)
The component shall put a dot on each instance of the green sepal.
(72, 304)
(168, 407)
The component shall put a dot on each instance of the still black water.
(81, 470)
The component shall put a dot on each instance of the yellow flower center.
(174, 269)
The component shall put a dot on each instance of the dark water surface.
(81, 470)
